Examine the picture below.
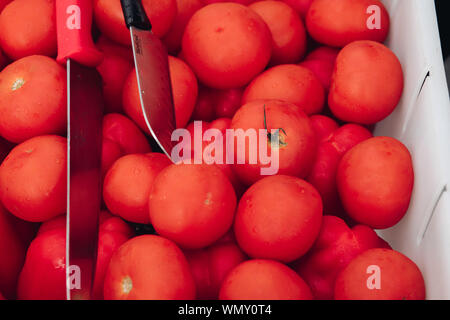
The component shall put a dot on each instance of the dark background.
(443, 12)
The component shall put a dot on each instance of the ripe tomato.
(12, 254)
(278, 218)
(338, 23)
(323, 126)
(33, 95)
(116, 66)
(128, 183)
(367, 83)
(392, 275)
(227, 45)
(378, 168)
(149, 268)
(211, 265)
(288, 31)
(184, 91)
(301, 6)
(297, 140)
(264, 280)
(193, 205)
(109, 18)
(33, 179)
(186, 9)
(289, 83)
(28, 28)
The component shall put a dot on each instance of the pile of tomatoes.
(314, 70)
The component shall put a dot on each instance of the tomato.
(12, 254)
(184, 91)
(109, 18)
(211, 265)
(33, 95)
(380, 274)
(116, 66)
(378, 168)
(128, 183)
(322, 69)
(28, 28)
(44, 275)
(192, 205)
(33, 179)
(278, 218)
(111, 151)
(186, 9)
(330, 152)
(227, 45)
(301, 6)
(323, 126)
(264, 280)
(296, 143)
(289, 83)
(244, 2)
(323, 53)
(288, 31)
(4, 3)
(149, 268)
(367, 83)
(338, 23)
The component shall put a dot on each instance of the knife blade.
(84, 132)
(152, 70)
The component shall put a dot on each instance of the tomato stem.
(276, 134)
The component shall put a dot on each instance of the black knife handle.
(135, 15)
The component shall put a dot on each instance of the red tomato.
(227, 45)
(211, 265)
(399, 278)
(33, 179)
(338, 23)
(28, 28)
(301, 6)
(184, 90)
(278, 218)
(111, 151)
(204, 108)
(116, 66)
(264, 280)
(186, 9)
(3, 4)
(44, 275)
(193, 205)
(12, 254)
(149, 268)
(289, 83)
(297, 141)
(128, 183)
(367, 83)
(288, 31)
(378, 168)
(109, 18)
(33, 95)
(244, 2)
(323, 53)
(322, 69)
(323, 126)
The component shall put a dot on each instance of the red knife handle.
(74, 22)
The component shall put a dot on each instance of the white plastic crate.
(422, 123)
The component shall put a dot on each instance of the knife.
(152, 70)
(84, 131)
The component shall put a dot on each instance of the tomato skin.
(128, 183)
(287, 29)
(33, 94)
(211, 265)
(149, 268)
(301, 6)
(323, 126)
(339, 23)
(28, 28)
(109, 18)
(264, 280)
(33, 179)
(297, 154)
(400, 278)
(278, 218)
(323, 53)
(192, 205)
(222, 50)
(184, 92)
(290, 83)
(378, 168)
(12, 254)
